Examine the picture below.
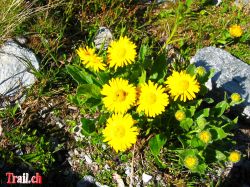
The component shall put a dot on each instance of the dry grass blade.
(15, 12)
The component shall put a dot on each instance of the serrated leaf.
(186, 123)
(156, 143)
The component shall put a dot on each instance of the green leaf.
(196, 143)
(221, 107)
(189, 3)
(159, 162)
(188, 152)
(75, 74)
(143, 52)
(104, 77)
(208, 100)
(201, 168)
(92, 102)
(220, 133)
(203, 113)
(220, 156)
(142, 78)
(159, 68)
(222, 42)
(186, 123)
(88, 126)
(201, 122)
(191, 69)
(211, 73)
(156, 143)
(89, 90)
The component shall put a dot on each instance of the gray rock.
(103, 38)
(89, 181)
(231, 74)
(16, 63)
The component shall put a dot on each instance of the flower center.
(151, 98)
(190, 162)
(122, 52)
(120, 131)
(183, 85)
(204, 136)
(121, 95)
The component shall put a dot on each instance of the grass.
(54, 30)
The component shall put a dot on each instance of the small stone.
(21, 40)
(106, 167)
(76, 152)
(19, 152)
(118, 180)
(146, 178)
(104, 146)
(128, 171)
(103, 38)
(88, 159)
(59, 124)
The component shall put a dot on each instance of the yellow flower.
(90, 59)
(119, 95)
(152, 99)
(120, 132)
(235, 31)
(235, 97)
(121, 52)
(234, 156)
(191, 161)
(201, 71)
(205, 136)
(180, 115)
(182, 85)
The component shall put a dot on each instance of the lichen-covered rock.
(231, 74)
(16, 63)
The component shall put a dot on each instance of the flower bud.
(234, 156)
(180, 115)
(235, 31)
(235, 97)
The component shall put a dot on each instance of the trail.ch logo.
(23, 179)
